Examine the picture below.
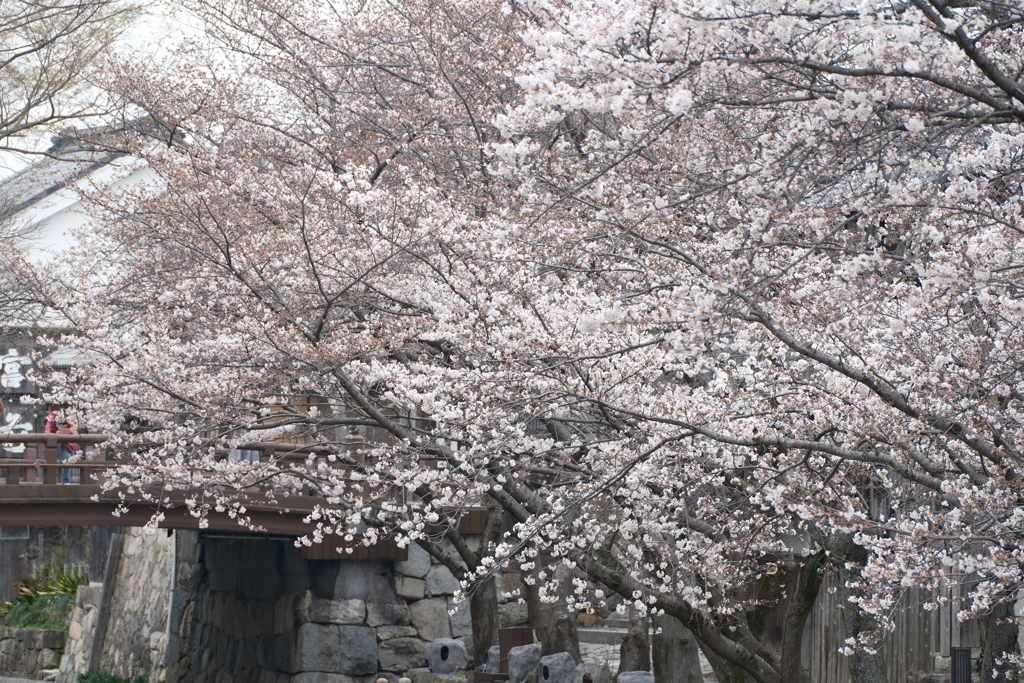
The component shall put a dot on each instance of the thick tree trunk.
(635, 651)
(805, 594)
(675, 654)
(732, 642)
(769, 594)
(998, 638)
(865, 667)
(483, 610)
(732, 673)
(483, 603)
(554, 627)
(725, 672)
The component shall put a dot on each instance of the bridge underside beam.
(102, 514)
(88, 505)
(272, 523)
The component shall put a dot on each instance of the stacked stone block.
(252, 609)
(428, 588)
(277, 618)
(136, 627)
(80, 632)
(27, 652)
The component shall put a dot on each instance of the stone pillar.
(185, 580)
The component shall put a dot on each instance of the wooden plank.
(86, 465)
(37, 437)
(509, 638)
(912, 646)
(78, 512)
(472, 522)
(482, 677)
(945, 627)
(100, 538)
(17, 540)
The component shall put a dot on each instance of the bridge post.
(48, 454)
(32, 469)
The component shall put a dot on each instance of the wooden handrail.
(23, 462)
(31, 492)
(36, 437)
(41, 461)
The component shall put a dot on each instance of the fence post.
(50, 457)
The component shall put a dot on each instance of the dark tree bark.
(675, 654)
(865, 667)
(483, 610)
(566, 638)
(554, 627)
(483, 602)
(462, 561)
(635, 651)
(805, 593)
(999, 638)
(802, 582)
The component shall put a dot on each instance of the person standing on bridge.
(57, 423)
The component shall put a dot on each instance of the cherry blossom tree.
(315, 168)
(47, 50)
(714, 299)
(794, 247)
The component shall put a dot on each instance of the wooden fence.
(919, 635)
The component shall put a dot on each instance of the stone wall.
(214, 609)
(234, 619)
(137, 629)
(80, 632)
(27, 652)
(260, 612)
(136, 633)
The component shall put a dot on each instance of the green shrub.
(45, 611)
(44, 600)
(106, 677)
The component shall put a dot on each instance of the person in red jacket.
(57, 423)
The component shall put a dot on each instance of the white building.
(41, 206)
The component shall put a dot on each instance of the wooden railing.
(31, 492)
(40, 463)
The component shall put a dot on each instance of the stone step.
(616, 622)
(601, 635)
(613, 631)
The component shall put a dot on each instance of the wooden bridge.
(30, 494)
